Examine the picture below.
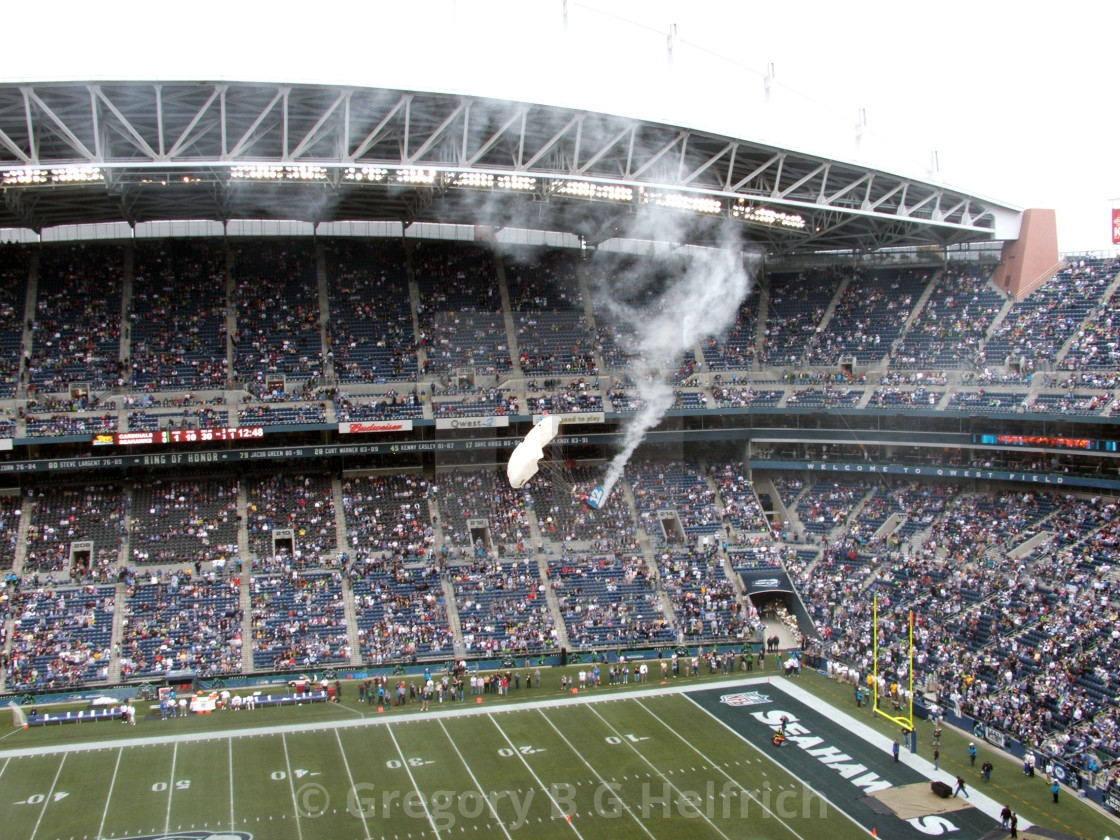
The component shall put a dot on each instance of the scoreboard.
(216, 435)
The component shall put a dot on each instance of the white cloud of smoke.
(665, 308)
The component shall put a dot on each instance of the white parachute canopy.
(525, 460)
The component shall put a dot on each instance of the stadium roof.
(92, 152)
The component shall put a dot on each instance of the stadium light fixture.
(257, 172)
(518, 183)
(473, 180)
(277, 172)
(766, 216)
(705, 205)
(76, 175)
(589, 189)
(373, 174)
(415, 176)
(305, 173)
(25, 177)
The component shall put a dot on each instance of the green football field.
(614, 763)
(644, 765)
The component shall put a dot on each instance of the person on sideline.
(960, 787)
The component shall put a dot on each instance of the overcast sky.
(1019, 100)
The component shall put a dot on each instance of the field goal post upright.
(906, 722)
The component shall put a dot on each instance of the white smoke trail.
(700, 303)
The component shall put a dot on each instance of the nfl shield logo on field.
(744, 698)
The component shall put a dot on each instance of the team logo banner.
(765, 580)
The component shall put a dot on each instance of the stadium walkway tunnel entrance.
(81, 559)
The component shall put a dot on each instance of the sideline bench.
(290, 699)
(75, 717)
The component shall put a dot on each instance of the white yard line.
(232, 821)
(680, 794)
(171, 788)
(358, 712)
(292, 786)
(411, 778)
(602, 781)
(353, 787)
(470, 772)
(537, 778)
(49, 799)
(109, 796)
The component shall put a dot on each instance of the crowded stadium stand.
(183, 522)
(75, 531)
(911, 425)
(60, 637)
(370, 330)
(502, 608)
(13, 300)
(868, 316)
(949, 330)
(177, 317)
(278, 336)
(460, 312)
(299, 621)
(291, 521)
(400, 611)
(607, 600)
(797, 304)
(553, 338)
(182, 623)
(76, 334)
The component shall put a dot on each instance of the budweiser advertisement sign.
(374, 426)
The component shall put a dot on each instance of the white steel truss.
(172, 150)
